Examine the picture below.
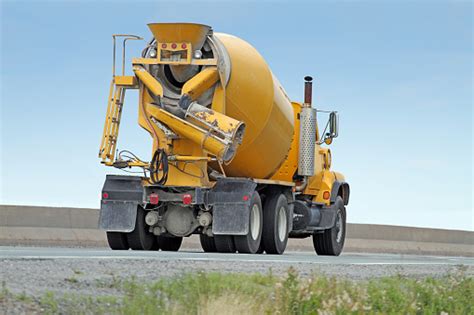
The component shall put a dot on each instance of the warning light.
(154, 198)
(184, 46)
(164, 45)
(187, 198)
(174, 46)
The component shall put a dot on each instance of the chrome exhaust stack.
(307, 133)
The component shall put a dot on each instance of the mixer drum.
(254, 95)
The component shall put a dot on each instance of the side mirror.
(333, 125)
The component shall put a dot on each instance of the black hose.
(160, 159)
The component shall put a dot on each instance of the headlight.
(328, 159)
(152, 53)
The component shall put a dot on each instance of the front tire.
(250, 243)
(140, 238)
(117, 241)
(276, 223)
(331, 241)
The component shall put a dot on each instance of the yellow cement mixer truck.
(233, 160)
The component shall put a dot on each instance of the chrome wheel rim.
(255, 222)
(282, 224)
(339, 227)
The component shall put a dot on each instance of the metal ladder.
(118, 86)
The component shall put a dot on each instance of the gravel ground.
(27, 274)
(97, 277)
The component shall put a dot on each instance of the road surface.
(29, 253)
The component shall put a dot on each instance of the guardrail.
(50, 226)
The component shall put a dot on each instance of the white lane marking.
(309, 255)
(27, 257)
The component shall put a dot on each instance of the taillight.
(154, 198)
(105, 195)
(245, 198)
(187, 199)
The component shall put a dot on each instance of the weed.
(49, 303)
(71, 279)
(217, 293)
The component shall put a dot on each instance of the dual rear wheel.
(276, 223)
(141, 239)
(268, 229)
(251, 242)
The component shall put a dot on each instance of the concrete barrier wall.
(28, 225)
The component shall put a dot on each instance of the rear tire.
(117, 241)
(169, 244)
(276, 222)
(140, 238)
(224, 243)
(331, 241)
(207, 243)
(260, 248)
(250, 243)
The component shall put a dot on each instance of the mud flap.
(118, 216)
(118, 211)
(231, 211)
(230, 219)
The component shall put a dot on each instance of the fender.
(345, 191)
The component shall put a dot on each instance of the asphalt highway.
(55, 253)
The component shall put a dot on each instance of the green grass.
(216, 293)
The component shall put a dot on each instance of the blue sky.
(399, 73)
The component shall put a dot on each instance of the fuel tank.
(246, 90)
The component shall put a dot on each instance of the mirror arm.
(323, 134)
(332, 124)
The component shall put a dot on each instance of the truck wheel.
(169, 244)
(224, 243)
(275, 224)
(156, 244)
(117, 240)
(331, 241)
(140, 238)
(260, 248)
(250, 243)
(207, 243)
